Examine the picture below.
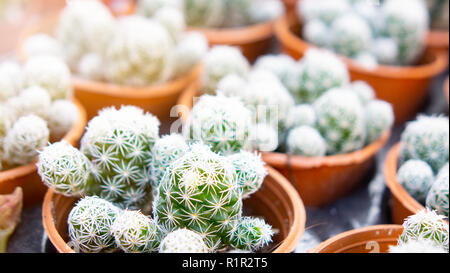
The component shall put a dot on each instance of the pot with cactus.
(382, 44)
(312, 124)
(36, 107)
(424, 232)
(416, 169)
(127, 189)
(125, 60)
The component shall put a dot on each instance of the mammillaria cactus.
(364, 91)
(327, 10)
(191, 48)
(306, 141)
(418, 246)
(136, 233)
(205, 13)
(231, 85)
(426, 139)
(183, 241)
(317, 32)
(251, 234)
(301, 115)
(350, 34)
(42, 44)
(10, 80)
(172, 19)
(437, 198)
(417, 178)
(90, 224)
(10, 211)
(379, 119)
(263, 137)
(91, 67)
(385, 50)
(62, 115)
(32, 100)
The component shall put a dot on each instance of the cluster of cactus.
(425, 232)
(230, 13)
(366, 31)
(137, 50)
(34, 108)
(424, 156)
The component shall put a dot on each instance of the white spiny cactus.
(231, 85)
(416, 177)
(325, 10)
(265, 10)
(205, 13)
(300, 115)
(42, 44)
(190, 50)
(364, 91)
(317, 33)
(32, 100)
(172, 19)
(91, 66)
(183, 241)
(437, 198)
(263, 137)
(350, 34)
(306, 141)
(417, 246)
(62, 116)
(11, 80)
(251, 234)
(379, 119)
(386, 50)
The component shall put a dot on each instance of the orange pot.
(406, 88)
(402, 204)
(373, 239)
(276, 201)
(27, 177)
(438, 40)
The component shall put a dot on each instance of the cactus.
(364, 91)
(209, 13)
(172, 19)
(221, 61)
(301, 115)
(135, 233)
(417, 178)
(437, 198)
(148, 8)
(341, 121)
(263, 137)
(379, 119)
(426, 139)
(63, 114)
(42, 44)
(325, 10)
(10, 211)
(90, 224)
(317, 33)
(190, 49)
(251, 234)
(221, 122)
(10, 80)
(264, 11)
(386, 50)
(32, 100)
(250, 171)
(425, 224)
(417, 246)
(367, 60)
(91, 67)
(183, 241)
(306, 141)
(231, 85)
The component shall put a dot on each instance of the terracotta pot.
(27, 177)
(319, 180)
(406, 88)
(373, 239)
(401, 202)
(438, 40)
(276, 201)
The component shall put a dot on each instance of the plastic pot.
(27, 177)
(406, 88)
(276, 201)
(373, 239)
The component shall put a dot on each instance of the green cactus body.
(183, 241)
(10, 80)
(251, 234)
(417, 178)
(379, 119)
(306, 141)
(437, 198)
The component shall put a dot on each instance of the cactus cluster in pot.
(35, 108)
(307, 108)
(424, 167)
(133, 50)
(369, 32)
(124, 171)
(424, 232)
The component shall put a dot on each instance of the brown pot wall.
(373, 239)
(406, 88)
(27, 177)
(276, 201)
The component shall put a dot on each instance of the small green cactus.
(183, 241)
(251, 234)
(306, 141)
(379, 119)
(417, 178)
(437, 198)
(11, 80)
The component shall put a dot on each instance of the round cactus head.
(306, 141)
(263, 138)
(148, 8)
(379, 119)
(364, 91)
(251, 234)
(417, 178)
(317, 32)
(32, 100)
(418, 246)
(172, 19)
(231, 85)
(183, 241)
(301, 115)
(41, 44)
(10, 80)
(63, 115)
(437, 198)
(190, 50)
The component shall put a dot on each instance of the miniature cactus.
(32, 100)
(231, 85)
(341, 121)
(91, 67)
(148, 8)
(364, 91)
(263, 137)
(306, 141)
(183, 241)
(350, 34)
(10, 211)
(210, 13)
(301, 115)
(379, 119)
(417, 178)
(366, 59)
(135, 233)
(326, 10)
(10, 80)
(417, 246)
(62, 116)
(317, 33)
(90, 223)
(426, 139)
(190, 49)
(221, 122)
(425, 225)
(264, 11)
(42, 44)
(251, 234)
(172, 19)
(437, 198)
(386, 50)
(250, 171)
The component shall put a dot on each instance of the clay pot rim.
(390, 175)
(351, 233)
(432, 68)
(287, 245)
(71, 137)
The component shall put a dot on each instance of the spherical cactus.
(136, 233)
(85, 27)
(306, 141)
(231, 86)
(251, 234)
(326, 10)
(320, 71)
(266, 10)
(263, 137)
(42, 44)
(425, 225)
(350, 35)
(364, 91)
(190, 50)
(65, 170)
(341, 121)
(437, 198)
(221, 61)
(63, 115)
(165, 151)
(221, 122)
(200, 13)
(149, 7)
(50, 73)
(10, 80)
(183, 241)
(91, 67)
(118, 143)
(417, 178)
(33, 100)
(250, 171)
(140, 53)
(386, 50)
(317, 33)
(90, 224)
(426, 139)
(366, 59)
(172, 19)
(379, 119)
(417, 246)
(23, 141)
(301, 115)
